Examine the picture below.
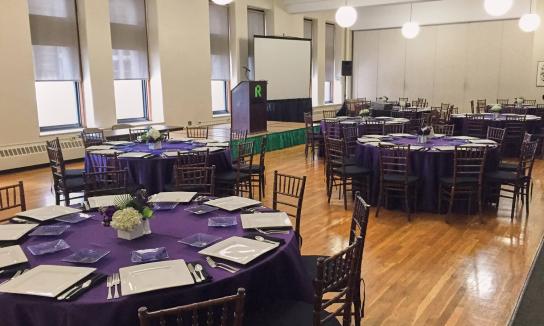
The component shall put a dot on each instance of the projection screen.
(286, 64)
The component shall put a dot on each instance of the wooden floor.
(421, 273)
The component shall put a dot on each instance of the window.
(55, 48)
(308, 28)
(220, 56)
(255, 26)
(308, 33)
(329, 63)
(130, 65)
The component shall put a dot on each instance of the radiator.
(25, 155)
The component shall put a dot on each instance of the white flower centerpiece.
(519, 101)
(364, 113)
(153, 138)
(496, 109)
(383, 99)
(131, 219)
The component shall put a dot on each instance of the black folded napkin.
(207, 277)
(95, 278)
(9, 271)
(252, 236)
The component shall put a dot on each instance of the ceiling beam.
(297, 7)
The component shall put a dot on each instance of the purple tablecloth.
(429, 166)
(532, 125)
(154, 173)
(279, 274)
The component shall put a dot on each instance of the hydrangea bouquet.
(364, 113)
(130, 216)
(496, 108)
(152, 136)
(519, 101)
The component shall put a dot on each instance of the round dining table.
(156, 171)
(532, 122)
(278, 274)
(429, 161)
(358, 121)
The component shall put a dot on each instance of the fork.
(109, 283)
(226, 267)
(116, 282)
(273, 231)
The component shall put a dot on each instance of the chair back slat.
(105, 183)
(443, 129)
(469, 162)
(226, 311)
(350, 134)
(56, 162)
(329, 114)
(193, 159)
(198, 132)
(475, 125)
(372, 127)
(195, 178)
(135, 133)
(393, 128)
(394, 161)
(12, 196)
(332, 128)
(527, 159)
(236, 134)
(92, 137)
(289, 191)
(497, 135)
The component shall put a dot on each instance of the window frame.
(77, 91)
(226, 86)
(145, 103)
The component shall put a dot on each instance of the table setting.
(429, 160)
(56, 278)
(153, 167)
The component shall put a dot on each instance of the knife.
(193, 272)
(77, 288)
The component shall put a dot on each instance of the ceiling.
(301, 6)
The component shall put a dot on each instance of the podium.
(249, 106)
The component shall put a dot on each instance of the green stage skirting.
(276, 141)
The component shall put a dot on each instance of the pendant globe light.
(529, 22)
(497, 7)
(346, 16)
(410, 29)
(222, 2)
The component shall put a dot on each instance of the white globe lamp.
(410, 30)
(529, 22)
(497, 7)
(222, 2)
(346, 16)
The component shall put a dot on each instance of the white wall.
(449, 63)
(179, 59)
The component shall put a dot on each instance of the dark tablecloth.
(279, 274)
(154, 173)
(429, 166)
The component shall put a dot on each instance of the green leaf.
(147, 212)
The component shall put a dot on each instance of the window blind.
(255, 26)
(329, 52)
(53, 28)
(128, 39)
(308, 28)
(219, 42)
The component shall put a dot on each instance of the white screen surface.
(286, 65)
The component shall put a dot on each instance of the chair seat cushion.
(310, 265)
(75, 184)
(73, 173)
(255, 168)
(501, 176)
(400, 178)
(462, 180)
(286, 313)
(352, 170)
(230, 176)
(508, 166)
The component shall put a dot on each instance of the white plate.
(265, 220)
(46, 280)
(103, 201)
(118, 142)
(172, 197)
(154, 276)
(368, 140)
(106, 152)
(200, 149)
(483, 141)
(415, 147)
(173, 154)
(48, 212)
(98, 147)
(385, 143)
(12, 232)
(376, 136)
(464, 137)
(239, 250)
(444, 148)
(401, 135)
(474, 145)
(232, 203)
(12, 255)
(215, 149)
(134, 155)
(221, 144)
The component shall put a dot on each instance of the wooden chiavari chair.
(503, 101)
(481, 106)
(329, 114)
(393, 128)
(519, 180)
(194, 159)
(510, 166)
(195, 178)
(235, 181)
(350, 134)
(475, 125)
(529, 102)
(106, 183)
(313, 138)
(239, 135)
(497, 135)
(92, 137)
(65, 181)
(515, 129)
(395, 177)
(335, 275)
(332, 129)
(135, 133)
(199, 132)
(403, 99)
(444, 106)
(467, 179)
(226, 311)
(342, 174)
(372, 128)
(257, 171)
(443, 129)
(12, 196)
(415, 125)
(103, 162)
(288, 192)
(472, 107)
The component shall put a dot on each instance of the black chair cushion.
(286, 313)
(398, 178)
(462, 180)
(508, 166)
(310, 265)
(352, 170)
(255, 168)
(73, 173)
(501, 176)
(230, 176)
(75, 184)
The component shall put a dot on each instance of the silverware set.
(214, 264)
(113, 281)
(17, 274)
(196, 272)
(272, 231)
